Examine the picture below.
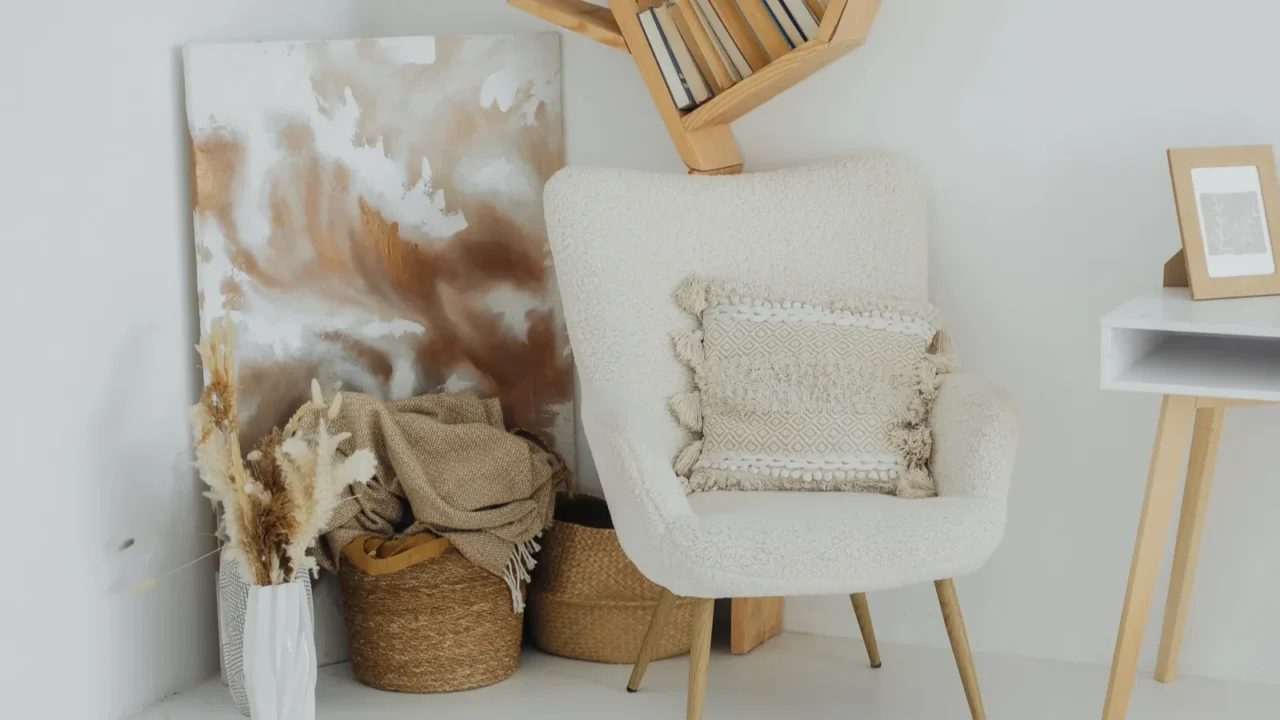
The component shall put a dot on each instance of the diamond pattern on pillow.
(807, 393)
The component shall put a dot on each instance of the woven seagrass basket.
(425, 620)
(588, 601)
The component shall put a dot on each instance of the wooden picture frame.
(1228, 203)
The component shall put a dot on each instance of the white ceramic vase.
(280, 653)
(233, 602)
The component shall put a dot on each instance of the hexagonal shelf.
(702, 136)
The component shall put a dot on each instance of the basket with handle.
(421, 618)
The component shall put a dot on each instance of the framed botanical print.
(1228, 203)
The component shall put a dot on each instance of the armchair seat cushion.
(788, 543)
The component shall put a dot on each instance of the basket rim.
(571, 600)
(584, 528)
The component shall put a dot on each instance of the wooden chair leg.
(661, 612)
(960, 646)
(699, 656)
(1195, 500)
(1157, 506)
(863, 613)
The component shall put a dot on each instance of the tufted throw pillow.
(807, 393)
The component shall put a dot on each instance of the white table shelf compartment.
(1201, 364)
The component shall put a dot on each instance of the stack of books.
(704, 47)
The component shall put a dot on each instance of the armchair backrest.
(623, 241)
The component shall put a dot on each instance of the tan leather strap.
(379, 556)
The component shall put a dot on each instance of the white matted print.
(1233, 221)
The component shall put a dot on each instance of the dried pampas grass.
(278, 499)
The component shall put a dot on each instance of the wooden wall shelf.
(702, 135)
(584, 18)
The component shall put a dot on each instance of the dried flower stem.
(276, 508)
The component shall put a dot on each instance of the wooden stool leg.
(863, 613)
(1195, 499)
(960, 646)
(661, 612)
(1157, 506)
(699, 657)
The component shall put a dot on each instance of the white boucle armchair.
(622, 242)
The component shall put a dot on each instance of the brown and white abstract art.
(369, 212)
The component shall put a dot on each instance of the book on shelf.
(685, 65)
(804, 17)
(684, 81)
(765, 28)
(696, 50)
(782, 18)
(701, 8)
(741, 36)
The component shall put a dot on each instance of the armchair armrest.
(975, 431)
(632, 442)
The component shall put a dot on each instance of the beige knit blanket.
(445, 465)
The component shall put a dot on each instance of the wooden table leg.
(1195, 500)
(1162, 484)
(752, 621)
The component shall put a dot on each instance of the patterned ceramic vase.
(280, 653)
(233, 601)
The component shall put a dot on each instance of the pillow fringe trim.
(703, 480)
(914, 439)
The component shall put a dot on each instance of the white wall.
(98, 333)
(1042, 127)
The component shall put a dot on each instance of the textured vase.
(280, 653)
(233, 600)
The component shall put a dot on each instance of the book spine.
(765, 27)
(666, 62)
(712, 55)
(685, 66)
(666, 43)
(700, 9)
(727, 43)
(741, 34)
(804, 20)
(783, 21)
(682, 15)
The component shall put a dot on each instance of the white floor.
(793, 676)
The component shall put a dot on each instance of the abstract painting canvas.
(369, 212)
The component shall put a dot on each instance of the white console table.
(1202, 357)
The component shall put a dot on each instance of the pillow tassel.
(692, 295)
(687, 407)
(915, 484)
(941, 344)
(688, 346)
(687, 458)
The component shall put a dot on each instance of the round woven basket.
(588, 601)
(437, 626)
